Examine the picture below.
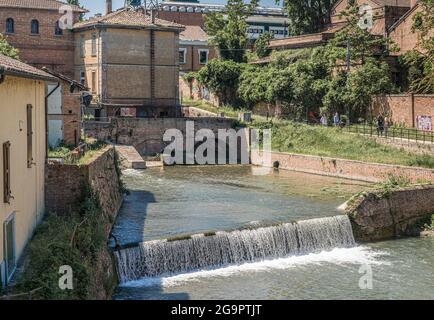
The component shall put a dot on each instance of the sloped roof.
(38, 4)
(403, 17)
(384, 3)
(193, 33)
(127, 17)
(17, 68)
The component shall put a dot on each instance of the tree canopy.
(228, 30)
(6, 49)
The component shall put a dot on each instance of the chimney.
(108, 6)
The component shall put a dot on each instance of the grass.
(300, 138)
(65, 152)
(201, 104)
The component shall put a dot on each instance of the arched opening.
(57, 29)
(34, 27)
(10, 25)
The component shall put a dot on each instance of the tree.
(307, 16)
(228, 30)
(262, 43)
(420, 63)
(6, 49)
(221, 77)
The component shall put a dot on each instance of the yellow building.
(22, 157)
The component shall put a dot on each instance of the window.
(57, 29)
(9, 245)
(82, 46)
(203, 56)
(93, 81)
(29, 136)
(34, 27)
(182, 55)
(94, 44)
(10, 25)
(83, 78)
(7, 194)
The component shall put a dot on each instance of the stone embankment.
(388, 214)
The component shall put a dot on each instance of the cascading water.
(155, 258)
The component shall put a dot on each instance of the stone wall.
(196, 112)
(384, 215)
(404, 109)
(350, 169)
(146, 134)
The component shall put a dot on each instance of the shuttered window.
(29, 136)
(7, 172)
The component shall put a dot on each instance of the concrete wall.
(146, 134)
(404, 109)
(350, 169)
(384, 215)
(27, 184)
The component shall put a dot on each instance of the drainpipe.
(46, 120)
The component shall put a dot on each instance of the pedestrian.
(380, 125)
(387, 125)
(324, 120)
(336, 119)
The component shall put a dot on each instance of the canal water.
(167, 202)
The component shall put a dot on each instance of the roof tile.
(38, 4)
(9, 65)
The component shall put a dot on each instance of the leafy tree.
(74, 2)
(261, 45)
(228, 30)
(420, 63)
(6, 49)
(307, 16)
(221, 77)
(360, 42)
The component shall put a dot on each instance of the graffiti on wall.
(424, 123)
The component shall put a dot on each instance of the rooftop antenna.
(151, 7)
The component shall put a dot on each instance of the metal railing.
(410, 134)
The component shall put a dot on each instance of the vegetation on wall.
(261, 45)
(75, 240)
(6, 49)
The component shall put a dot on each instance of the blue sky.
(98, 6)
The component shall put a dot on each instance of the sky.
(98, 6)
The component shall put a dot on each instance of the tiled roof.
(38, 4)
(20, 69)
(128, 18)
(193, 33)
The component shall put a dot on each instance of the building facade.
(130, 62)
(23, 154)
(194, 49)
(273, 20)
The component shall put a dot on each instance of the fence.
(393, 132)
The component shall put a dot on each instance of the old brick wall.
(146, 134)
(66, 184)
(44, 49)
(403, 109)
(185, 18)
(350, 169)
(378, 216)
(192, 61)
(196, 91)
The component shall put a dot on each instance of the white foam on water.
(359, 255)
(132, 172)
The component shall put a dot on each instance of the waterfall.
(158, 257)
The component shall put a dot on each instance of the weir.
(201, 251)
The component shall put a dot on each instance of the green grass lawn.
(300, 138)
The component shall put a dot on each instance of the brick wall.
(185, 18)
(66, 184)
(146, 134)
(350, 169)
(196, 91)
(45, 49)
(404, 109)
(192, 62)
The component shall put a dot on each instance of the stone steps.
(130, 158)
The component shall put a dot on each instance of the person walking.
(380, 125)
(336, 119)
(324, 120)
